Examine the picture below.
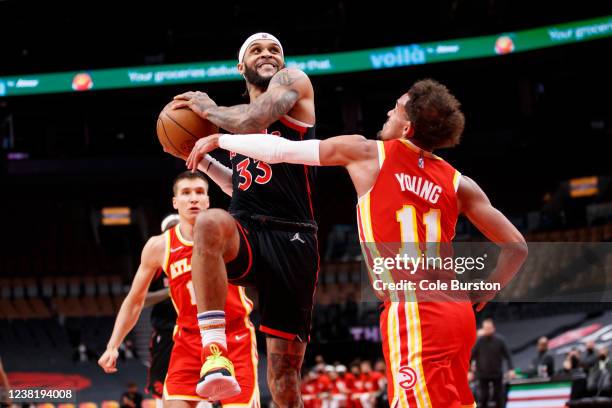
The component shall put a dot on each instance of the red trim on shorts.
(308, 191)
(277, 333)
(241, 229)
(316, 238)
(314, 292)
(292, 125)
(307, 182)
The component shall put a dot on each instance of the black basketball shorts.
(281, 260)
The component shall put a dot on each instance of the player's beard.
(253, 78)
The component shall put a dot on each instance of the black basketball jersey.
(276, 190)
(163, 314)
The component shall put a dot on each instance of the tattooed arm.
(286, 88)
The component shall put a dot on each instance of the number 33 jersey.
(177, 265)
(276, 190)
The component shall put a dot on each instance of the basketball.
(179, 129)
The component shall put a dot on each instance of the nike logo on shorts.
(238, 338)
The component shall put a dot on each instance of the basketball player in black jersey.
(268, 237)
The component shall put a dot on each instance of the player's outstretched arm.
(286, 87)
(336, 151)
(346, 150)
(475, 205)
(150, 262)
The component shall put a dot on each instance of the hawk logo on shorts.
(406, 378)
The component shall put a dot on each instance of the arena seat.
(116, 285)
(8, 310)
(607, 232)
(89, 285)
(47, 284)
(5, 288)
(24, 309)
(102, 284)
(74, 285)
(105, 304)
(61, 286)
(90, 306)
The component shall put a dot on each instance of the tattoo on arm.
(256, 116)
(275, 105)
(205, 105)
(277, 101)
(283, 78)
(228, 118)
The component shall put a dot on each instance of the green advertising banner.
(320, 64)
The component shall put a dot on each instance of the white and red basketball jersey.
(411, 211)
(177, 265)
(414, 198)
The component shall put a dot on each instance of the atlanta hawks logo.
(406, 378)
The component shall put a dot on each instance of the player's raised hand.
(108, 361)
(199, 102)
(202, 147)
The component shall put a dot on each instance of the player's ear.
(240, 67)
(407, 130)
(174, 203)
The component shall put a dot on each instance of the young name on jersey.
(425, 189)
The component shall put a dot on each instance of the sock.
(212, 328)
